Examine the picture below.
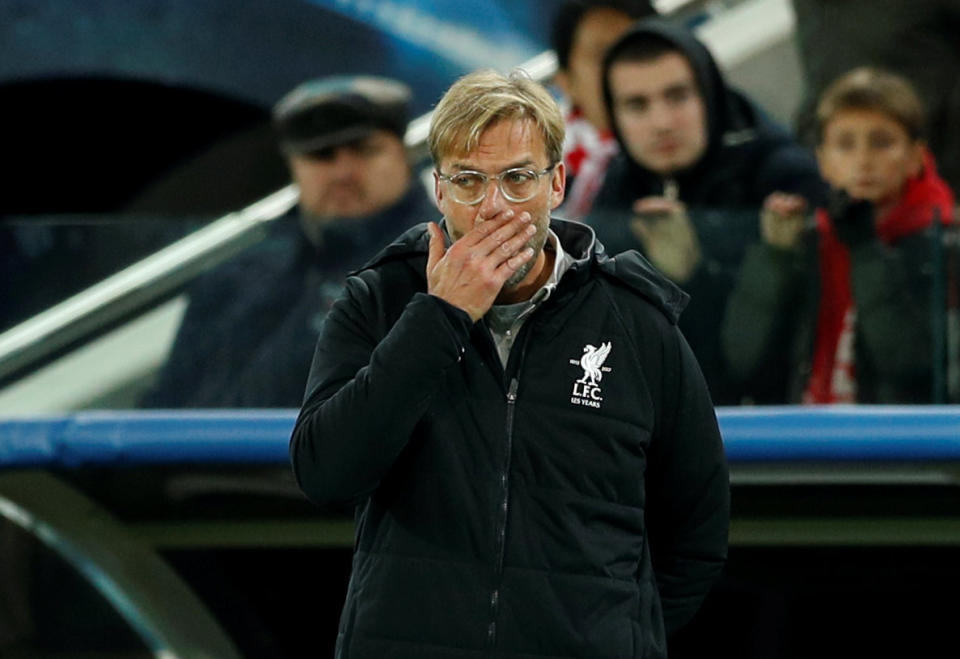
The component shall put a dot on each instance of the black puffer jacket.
(747, 158)
(531, 512)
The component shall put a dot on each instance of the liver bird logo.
(591, 361)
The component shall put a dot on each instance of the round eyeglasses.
(517, 185)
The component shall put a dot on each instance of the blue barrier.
(841, 433)
(229, 436)
(767, 434)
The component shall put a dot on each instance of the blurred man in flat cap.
(343, 140)
(249, 332)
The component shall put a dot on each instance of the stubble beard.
(536, 243)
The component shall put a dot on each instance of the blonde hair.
(480, 99)
(866, 88)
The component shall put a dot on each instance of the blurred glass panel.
(44, 259)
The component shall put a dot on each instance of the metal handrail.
(142, 283)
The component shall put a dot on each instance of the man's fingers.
(485, 228)
(510, 247)
(494, 237)
(499, 234)
(511, 265)
(505, 234)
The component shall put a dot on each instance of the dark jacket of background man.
(251, 326)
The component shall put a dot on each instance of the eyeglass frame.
(499, 178)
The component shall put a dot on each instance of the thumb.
(772, 201)
(437, 249)
(657, 205)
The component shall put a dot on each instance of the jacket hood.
(580, 242)
(731, 118)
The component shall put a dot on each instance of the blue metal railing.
(767, 434)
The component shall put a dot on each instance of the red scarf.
(833, 374)
(586, 152)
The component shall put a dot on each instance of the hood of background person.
(731, 118)
(327, 112)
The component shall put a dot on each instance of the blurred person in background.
(697, 161)
(917, 40)
(251, 325)
(582, 32)
(842, 314)
(531, 449)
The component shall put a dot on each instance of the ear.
(558, 184)
(437, 188)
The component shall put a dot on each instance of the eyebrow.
(461, 167)
(680, 86)
(669, 89)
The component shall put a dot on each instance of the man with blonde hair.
(528, 441)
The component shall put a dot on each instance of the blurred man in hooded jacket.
(698, 161)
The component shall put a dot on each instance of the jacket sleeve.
(369, 386)
(758, 320)
(892, 292)
(273, 374)
(688, 489)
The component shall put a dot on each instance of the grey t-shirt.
(505, 320)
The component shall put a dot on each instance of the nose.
(660, 115)
(346, 161)
(492, 203)
(862, 157)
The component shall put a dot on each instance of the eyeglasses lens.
(517, 185)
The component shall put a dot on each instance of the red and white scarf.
(586, 153)
(833, 376)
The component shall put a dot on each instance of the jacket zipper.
(502, 512)
(513, 369)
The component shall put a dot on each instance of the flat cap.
(327, 112)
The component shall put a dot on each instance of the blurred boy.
(862, 333)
